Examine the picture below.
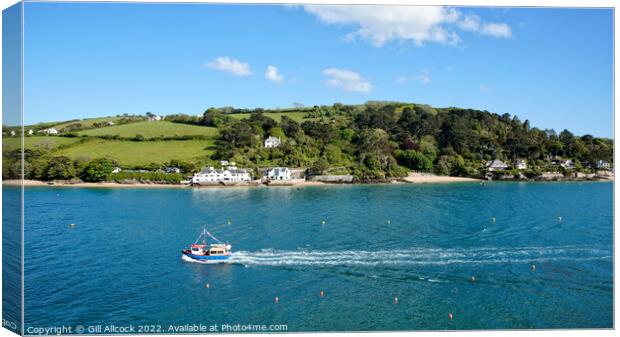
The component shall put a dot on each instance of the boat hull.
(206, 258)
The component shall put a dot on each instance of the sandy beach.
(415, 178)
(427, 178)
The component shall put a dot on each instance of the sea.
(459, 256)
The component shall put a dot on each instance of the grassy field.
(32, 142)
(151, 130)
(87, 122)
(296, 116)
(141, 153)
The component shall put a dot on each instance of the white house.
(110, 123)
(30, 132)
(116, 169)
(272, 141)
(602, 164)
(496, 165)
(12, 133)
(230, 174)
(155, 118)
(567, 164)
(521, 164)
(50, 131)
(278, 173)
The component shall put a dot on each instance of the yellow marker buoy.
(450, 316)
(277, 299)
(322, 293)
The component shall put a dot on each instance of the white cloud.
(347, 80)
(472, 23)
(229, 65)
(273, 75)
(484, 88)
(419, 24)
(496, 29)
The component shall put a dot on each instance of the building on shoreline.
(603, 164)
(277, 173)
(496, 165)
(568, 164)
(521, 164)
(230, 174)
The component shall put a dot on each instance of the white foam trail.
(418, 256)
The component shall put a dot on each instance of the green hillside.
(87, 122)
(152, 130)
(129, 153)
(373, 142)
(37, 142)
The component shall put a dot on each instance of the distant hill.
(371, 141)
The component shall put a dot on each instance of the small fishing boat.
(207, 253)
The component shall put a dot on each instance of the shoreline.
(427, 178)
(412, 178)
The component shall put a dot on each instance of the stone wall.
(331, 178)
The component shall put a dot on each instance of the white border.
(498, 3)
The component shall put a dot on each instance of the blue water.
(121, 263)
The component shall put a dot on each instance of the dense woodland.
(373, 141)
(379, 140)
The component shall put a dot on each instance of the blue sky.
(551, 66)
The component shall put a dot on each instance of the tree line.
(381, 140)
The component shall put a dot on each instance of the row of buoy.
(324, 222)
(493, 219)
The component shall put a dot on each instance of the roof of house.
(495, 163)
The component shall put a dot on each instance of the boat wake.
(419, 256)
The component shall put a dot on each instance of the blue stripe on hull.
(208, 257)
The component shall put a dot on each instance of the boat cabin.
(198, 249)
(219, 249)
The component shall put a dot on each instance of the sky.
(552, 66)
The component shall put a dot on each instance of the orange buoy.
(322, 293)
(450, 316)
(277, 299)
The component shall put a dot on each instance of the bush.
(98, 169)
(146, 177)
(60, 168)
(414, 160)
